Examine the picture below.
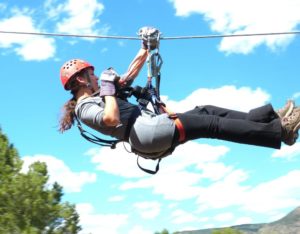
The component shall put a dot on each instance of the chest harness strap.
(94, 139)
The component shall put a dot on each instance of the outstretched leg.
(261, 126)
(262, 114)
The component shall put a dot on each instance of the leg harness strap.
(178, 123)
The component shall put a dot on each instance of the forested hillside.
(28, 204)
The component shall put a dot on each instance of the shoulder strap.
(112, 144)
(94, 139)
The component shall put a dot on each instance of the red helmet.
(70, 68)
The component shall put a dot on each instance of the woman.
(155, 136)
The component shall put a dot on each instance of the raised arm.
(135, 66)
(149, 38)
(111, 111)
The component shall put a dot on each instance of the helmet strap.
(88, 85)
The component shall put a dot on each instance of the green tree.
(226, 231)
(28, 204)
(164, 231)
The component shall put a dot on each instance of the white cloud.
(53, 8)
(180, 216)
(244, 220)
(288, 152)
(61, 173)
(296, 95)
(148, 210)
(139, 230)
(116, 199)
(37, 49)
(280, 193)
(224, 96)
(214, 171)
(29, 47)
(173, 205)
(117, 162)
(224, 217)
(93, 222)
(82, 17)
(184, 188)
(265, 198)
(242, 17)
(2, 6)
(209, 197)
(174, 168)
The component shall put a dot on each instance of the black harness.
(94, 139)
(144, 96)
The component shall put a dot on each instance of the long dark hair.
(68, 110)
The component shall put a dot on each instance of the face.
(94, 79)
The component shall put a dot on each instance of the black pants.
(260, 126)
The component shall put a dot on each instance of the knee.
(263, 114)
(205, 109)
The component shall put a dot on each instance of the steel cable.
(138, 38)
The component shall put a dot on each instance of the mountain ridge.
(289, 224)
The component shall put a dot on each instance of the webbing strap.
(152, 172)
(178, 123)
(112, 144)
(94, 139)
(180, 128)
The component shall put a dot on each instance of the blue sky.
(205, 183)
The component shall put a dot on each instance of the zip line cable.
(68, 35)
(138, 38)
(232, 35)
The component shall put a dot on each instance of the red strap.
(180, 128)
(177, 122)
